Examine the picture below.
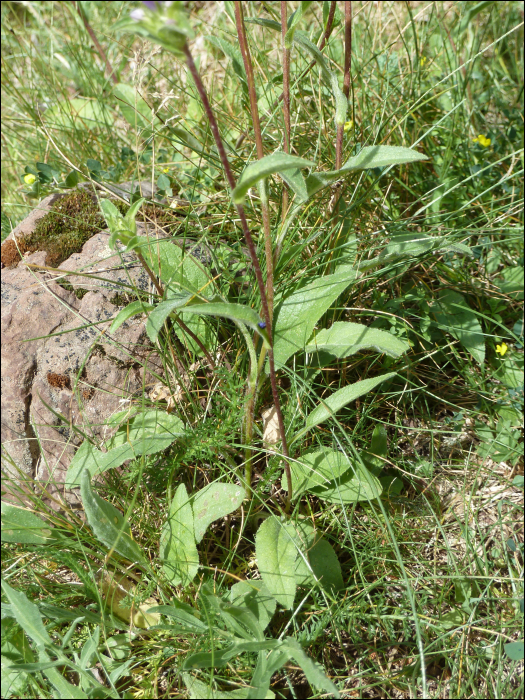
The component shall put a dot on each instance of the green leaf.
(185, 137)
(514, 650)
(381, 156)
(146, 426)
(412, 245)
(368, 157)
(184, 615)
(316, 467)
(197, 690)
(28, 616)
(15, 644)
(235, 312)
(178, 551)
(276, 552)
(470, 11)
(240, 620)
(136, 307)
(88, 458)
(23, 526)
(213, 502)
(341, 102)
(455, 317)
(337, 400)
(343, 339)
(269, 165)
(356, 484)
(296, 182)
(220, 657)
(378, 447)
(293, 23)
(298, 314)
(332, 476)
(108, 523)
(311, 669)
(134, 108)
(322, 560)
(160, 313)
(234, 54)
(256, 597)
(513, 284)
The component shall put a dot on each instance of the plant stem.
(286, 92)
(346, 81)
(111, 72)
(253, 255)
(326, 36)
(246, 57)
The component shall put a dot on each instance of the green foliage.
(397, 339)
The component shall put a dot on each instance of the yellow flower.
(502, 349)
(423, 60)
(29, 179)
(348, 126)
(165, 170)
(482, 140)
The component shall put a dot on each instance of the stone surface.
(55, 363)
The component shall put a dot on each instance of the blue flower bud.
(261, 324)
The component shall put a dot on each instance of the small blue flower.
(261, 324)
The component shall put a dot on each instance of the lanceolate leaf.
(136, 307)
(108, 523)
(345, 339)
(255, 596)
(293, 23)
(296, 182)
(337, 400)
(213, 502)
(317, 467)
(298, 313)
(455, 316)
(88, 458)
(28, 616)
(23, 526)
(235, 312)
(413, 245)
(356, 484)
(312, 670)
(161, 312)
(368, 157)
(276, 552)
(325, 567)
(178, 551)
(269, 165)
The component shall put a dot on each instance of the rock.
(80, 372)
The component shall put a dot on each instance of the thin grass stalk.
(286, 93)
(346, 81)
(253, 255)
(252, 384)
(248, 66)
(326, 36)
(110, 70)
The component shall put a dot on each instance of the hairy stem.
(110, 71)
(251, 249)
(286, 93)
(326, 36)
(248, 66)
